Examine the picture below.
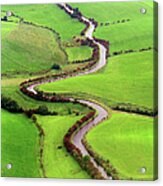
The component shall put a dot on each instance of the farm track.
(102, 114)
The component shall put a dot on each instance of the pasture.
(121, 23)
(125, 79)
(19, 45)
(126, 140)
(20, 146)
(78, 53)
(49, 15)
(57, 161)
(29, 51)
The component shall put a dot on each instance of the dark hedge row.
(114, 22)
(127, 107)
(41, 143)
(111, 171)
(10, 105)
(116, 53)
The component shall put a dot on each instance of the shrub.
(56, 67)
(43, 110)
(10, 105)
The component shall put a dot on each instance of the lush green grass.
(78, 53)
(113, 11)
(11, 19)
(20, 146)
(26, 48)
(48, 15)
(10, 88)
(135, 34)
(127, 141)
(126, 79)
(58, 163)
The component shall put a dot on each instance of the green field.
(57, 161)
(122, 81)
(49, 15)
(20, 146)
(19, 45)
(122, 36)
(127, 141)
(30, 51)
(78, 53)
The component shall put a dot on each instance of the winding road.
(101, 112)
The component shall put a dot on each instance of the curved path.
(101, 112)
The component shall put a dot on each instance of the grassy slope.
(48, 15)
(78, 53)
(126, 79)
(122, 36)
(26, 48)
(127, 141)
(57, 162)
(20, 146)
(124, 83)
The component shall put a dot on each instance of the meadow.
(49, 15)
(126, 140)
(57, 161)
(22, 41)
(20, 146)
(121, 23)
(127, 79)
(78, 53)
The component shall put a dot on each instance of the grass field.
(20, 146)
(19, 45)
(127, 141)
(57, 161)
(122, 81)
(122, 36)
(78, 53)
(49, 15)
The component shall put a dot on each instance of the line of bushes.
(58, 98)
(41, 143)
(114, 22)
(84, 161)
(43, 97)
(116, 53)
(10, 105)
(81, 61)
(87, 41)
(111, 171)
(130, 108)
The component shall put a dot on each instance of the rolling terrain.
(121, 80)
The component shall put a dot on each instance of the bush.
(10, 105)
(43, 110)
(86, 158)
(56, 67)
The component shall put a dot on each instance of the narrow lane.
(101, 112)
